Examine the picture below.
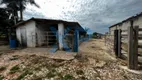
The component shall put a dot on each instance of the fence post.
(116, 42)
(130, 48)
(119, 43)
(135, 55)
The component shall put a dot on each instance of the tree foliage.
(9, 14)
(97, 35)
(18, 5)
(5, 22)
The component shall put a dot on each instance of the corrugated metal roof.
(128, 19)
(50, 21)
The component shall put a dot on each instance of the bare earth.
(93, 62)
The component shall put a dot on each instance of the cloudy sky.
(97, 15)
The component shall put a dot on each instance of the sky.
(97, 15)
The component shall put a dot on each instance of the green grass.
(68, 77)
(14, 69)
(1, 77)
(27, 72)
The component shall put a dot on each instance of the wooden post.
(76, 41)
(135, 55)
(116, 42)
(119, 43)
(130, 48)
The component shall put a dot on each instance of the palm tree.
(5, 22)
(18, 5)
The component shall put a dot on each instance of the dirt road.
(93, 62)
(96, 49)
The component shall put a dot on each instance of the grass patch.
(14, 69)
(68, 77)
(79, 72)
(27, 72)
(1, 77)
(22, 62)
(2, 68)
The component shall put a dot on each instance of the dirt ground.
(92, 62)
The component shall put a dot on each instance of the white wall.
(60, 35)
(30, 33)
(40, 36)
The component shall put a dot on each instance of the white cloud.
(95, 14)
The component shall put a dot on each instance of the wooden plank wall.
(131, 51)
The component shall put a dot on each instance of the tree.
(97, 35)
(18, 5)
(5, 22)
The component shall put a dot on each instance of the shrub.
(14, 69)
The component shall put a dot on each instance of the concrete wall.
(60, 35)
(30, 33)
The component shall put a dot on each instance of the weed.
(22, 62)
(2, 68)
(79, 72)
(1, 77)
(51, 74)
(27, 72)
(68, 77)
(14, 69)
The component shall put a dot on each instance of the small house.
(37, 32)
